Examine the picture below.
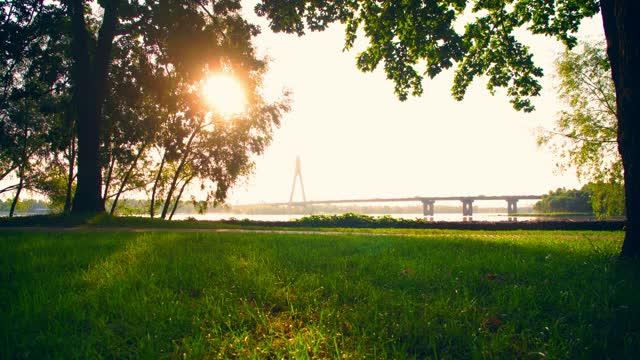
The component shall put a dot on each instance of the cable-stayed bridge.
(428, 202)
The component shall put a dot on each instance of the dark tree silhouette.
(33, 81)
(116, 46)
(92, 57)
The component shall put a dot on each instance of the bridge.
(428, 203)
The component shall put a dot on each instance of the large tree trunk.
(87, 198)
(621, 28)
(90, 80)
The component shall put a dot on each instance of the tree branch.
(598, 92)
(583, 139)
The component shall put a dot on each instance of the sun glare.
(224, 94)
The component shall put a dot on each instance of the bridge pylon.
(297, 175)
(512, 206)
(428, 207)
(467, 207)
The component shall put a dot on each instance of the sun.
(224, 94)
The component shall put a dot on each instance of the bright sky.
(356, 140)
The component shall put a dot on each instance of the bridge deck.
(416, 198)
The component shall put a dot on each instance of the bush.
(563, 200)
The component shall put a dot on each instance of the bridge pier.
(467, 207)
(512, 206)
(428, 208)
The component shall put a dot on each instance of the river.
(289, 217)
(479, 216)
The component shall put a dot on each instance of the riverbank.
(315, 221)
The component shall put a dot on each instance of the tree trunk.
(90, 80)
(24, 162)
(14, 203)
(87, 198)
(183, 161)
(126, 178)
(621, 29)
(155, 185)
(107, 181)
(177, 201)
(71, 175)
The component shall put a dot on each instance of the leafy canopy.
(565, 201)
(130, 69)
(585, 133)
(414, 38)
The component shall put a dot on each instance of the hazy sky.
(356, 140)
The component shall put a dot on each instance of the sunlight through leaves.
(224, 94)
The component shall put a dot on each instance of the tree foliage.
(585, 133)
(565, 201)
(33, 82)
(607, 199)
(604, 200)
(417, 38)
(110, 82)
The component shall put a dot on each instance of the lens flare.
(224, 94)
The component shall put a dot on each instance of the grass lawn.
(413, 294)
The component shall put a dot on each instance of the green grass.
(414, 294)
(104, 220)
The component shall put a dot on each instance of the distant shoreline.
(317, 222)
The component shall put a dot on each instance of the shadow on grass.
(273, 295)
(38, 293)
(102, 220)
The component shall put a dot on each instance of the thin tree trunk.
(21, 170)
(177, 201)
(176, 176)
(622, 30)
(107, 181)
(71, 176)
(155, 185)
(14, 203)
(124, 181)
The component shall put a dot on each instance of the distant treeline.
(601, 200)
(25, 206)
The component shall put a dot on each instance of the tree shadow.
(148, 294)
